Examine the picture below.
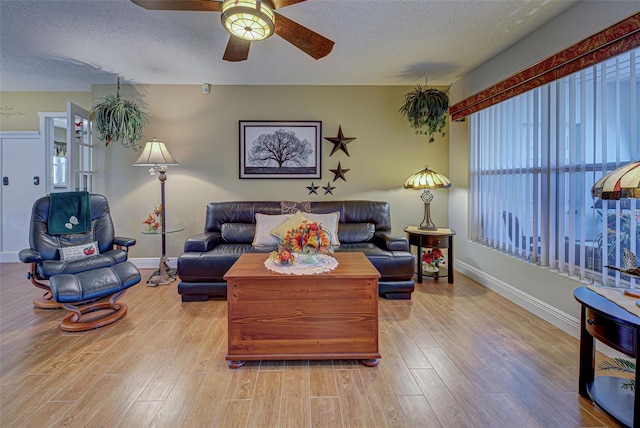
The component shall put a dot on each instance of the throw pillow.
(78, 252)
(291, 207)
(296, 220)
(265, 223)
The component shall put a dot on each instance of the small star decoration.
(340, 142)
(339, 172)
(328, 188)
(313, 188)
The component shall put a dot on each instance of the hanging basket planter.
(426, 110)
(120, 120)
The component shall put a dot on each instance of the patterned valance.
(612, 41)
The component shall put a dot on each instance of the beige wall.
(201, 132)
(19, 110)
(507, 273)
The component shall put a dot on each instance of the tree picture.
(280, 149)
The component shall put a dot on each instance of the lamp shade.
(155, 153)
(624, 182)
(427, 179)
(248, 19)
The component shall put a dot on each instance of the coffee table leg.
(371, 363)
(236, 364)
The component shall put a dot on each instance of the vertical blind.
(534, 159)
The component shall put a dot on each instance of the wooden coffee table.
(273, 316)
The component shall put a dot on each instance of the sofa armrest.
(122, 241)
(201, 242)
(29, 255)
(391, 242)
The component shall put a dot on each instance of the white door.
(23, 181)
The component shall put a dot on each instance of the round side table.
(425, 238)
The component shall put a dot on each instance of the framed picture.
(275, 149)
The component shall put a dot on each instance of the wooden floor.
(454, 356)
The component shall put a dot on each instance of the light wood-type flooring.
(453, 356)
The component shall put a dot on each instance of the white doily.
(321, 263)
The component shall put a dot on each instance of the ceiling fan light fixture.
(248, 19)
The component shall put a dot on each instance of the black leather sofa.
(230, 227)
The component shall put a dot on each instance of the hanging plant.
(426, 110)
(120, 120)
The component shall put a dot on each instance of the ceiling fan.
(251, 20)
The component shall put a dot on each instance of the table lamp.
(156, 155)
(426, 180)
(623, 182)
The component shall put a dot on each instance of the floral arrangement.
(432, 258)
(154, 219)
(308, 238)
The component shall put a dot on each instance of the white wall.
(546, 293)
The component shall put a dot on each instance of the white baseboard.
(152, 262)
(551, 314)
(9, 257)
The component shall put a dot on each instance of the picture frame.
(261, 144)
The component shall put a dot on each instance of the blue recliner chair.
(79, 267)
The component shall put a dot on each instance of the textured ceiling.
(69, 45)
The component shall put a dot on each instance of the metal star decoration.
(313, 188)
(328, 188)
(340, 142)
(339, 172)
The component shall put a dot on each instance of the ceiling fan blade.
(308, 41)
(195, 5)
(237, 49)
(279, 4)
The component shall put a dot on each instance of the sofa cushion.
(238, 233)
(48, 268)
(212, 265)
(264, 225)
(355, 232)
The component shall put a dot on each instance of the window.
(534, 158)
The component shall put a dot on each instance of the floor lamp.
(156, 155)
(622, 183)
(426, 180)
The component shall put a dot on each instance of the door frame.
(46, 137)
